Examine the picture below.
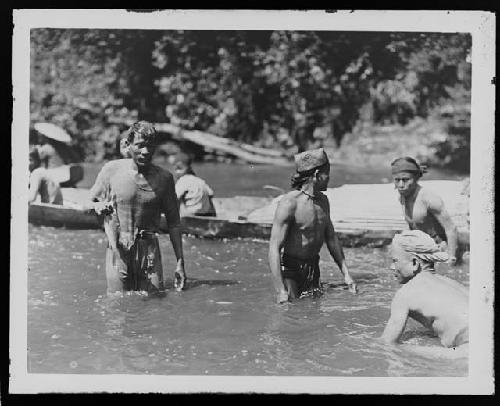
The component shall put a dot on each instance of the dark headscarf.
(407, 164)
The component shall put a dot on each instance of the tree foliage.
(273, 88)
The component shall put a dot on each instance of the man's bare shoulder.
(288, 202)
(290, 198)
(115, 165)
(402, 296)
(430, 198)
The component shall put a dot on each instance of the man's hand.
(103, 207)
(282, 296)
(179, 276)
(351, 285)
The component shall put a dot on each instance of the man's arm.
(171, 210)
(98, 192)
(34, 187)
(337, 252)
(397, 321)
(436, 207)
(282, 216)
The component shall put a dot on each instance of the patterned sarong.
(304, 272)
(140, 267)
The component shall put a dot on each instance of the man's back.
(308, 219)
(439, 303)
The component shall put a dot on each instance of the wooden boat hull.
(207, 227)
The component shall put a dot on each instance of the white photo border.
(480, 24)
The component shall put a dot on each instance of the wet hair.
(144, 128)
(409, 164)
(299, 178)
(35, 155)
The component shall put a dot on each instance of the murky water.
(225, 323)
(248, 180)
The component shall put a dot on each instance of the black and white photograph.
(259, 201)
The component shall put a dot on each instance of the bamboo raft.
(363, 215)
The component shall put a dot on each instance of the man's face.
(405, 182)
(322, 178)
(403, 264)
(180, 169)
(141, 150)
(32, 164)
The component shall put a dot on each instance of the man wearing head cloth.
(439, 303)
(302, 223)
(423, 209)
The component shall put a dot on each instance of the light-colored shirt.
(139, 199)
(194, 196)
(41, 183)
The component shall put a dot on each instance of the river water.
(226, 322)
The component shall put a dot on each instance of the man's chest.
(417, 211)
(128, 187)
(311, 215)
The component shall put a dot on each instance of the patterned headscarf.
(421, 245)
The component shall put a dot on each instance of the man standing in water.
(301, 225)
(439, 303)
(423, 210)
(134, 192)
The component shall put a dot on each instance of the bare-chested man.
(301, 225)
(133, 193)
(423, 210)
(437, 302)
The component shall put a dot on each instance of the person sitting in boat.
(41, 183)
(135, 192)
(302, 223)
(56, 154)
(194, 195)
(437, 302)
(423, 210)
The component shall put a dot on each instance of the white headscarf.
(421, 245)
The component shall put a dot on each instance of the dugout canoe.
(363, 215)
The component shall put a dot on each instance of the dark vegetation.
(279, 89)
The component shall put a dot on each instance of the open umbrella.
(54, 132)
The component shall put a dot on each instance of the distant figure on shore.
(437, 302)
(122, 146)
(301, 225)
(134, 192)
(423, 210)
(41, 183)
(194, 195)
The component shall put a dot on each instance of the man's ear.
(416, 264)
(124, 142)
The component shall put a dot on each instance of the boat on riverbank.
(363, 215)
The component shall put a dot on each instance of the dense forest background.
(290, 90)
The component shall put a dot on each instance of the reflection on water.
(225, 323)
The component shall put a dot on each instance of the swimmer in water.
(437, 302)
(136, 192)
(301, 225)
(423, 210)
